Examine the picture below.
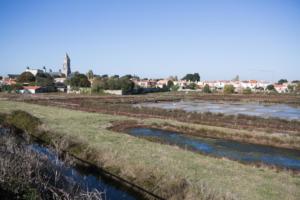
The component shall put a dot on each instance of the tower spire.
(67, 65)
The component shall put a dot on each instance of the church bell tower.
(67, 66)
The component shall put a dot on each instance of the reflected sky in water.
(283, 111)
(245, 152)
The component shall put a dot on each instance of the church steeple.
(67, 66)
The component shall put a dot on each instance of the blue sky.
(256, 39)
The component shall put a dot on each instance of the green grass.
(159, 167)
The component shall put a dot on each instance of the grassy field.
(166, 170)
(267, 131)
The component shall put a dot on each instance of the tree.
(228, 89)
(270, 88)
(113, 83)
(192, 77)
(297, 88)
(192, 86)
(99, 84)
(26, 77)
(90, 74)
(175, 87)
(126, 85)
(291, 88)
(206, 89)
(247, 90)
(79, 80)
(281, 81)
(44, 79)
(128, 76)
(170, 84)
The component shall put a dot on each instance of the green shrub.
(247, 91)
(228, 89)
(24, 121)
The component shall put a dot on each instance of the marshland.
(176, 154)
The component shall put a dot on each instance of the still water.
(244, 152)
(283, 111)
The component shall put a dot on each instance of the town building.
(34, 71)
(281, 88)
(11, 79)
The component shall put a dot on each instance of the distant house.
(146, 83)
(59, 80)
(281, 88)
(61, 87)
(31, 90)
(11, 79)
(181, 83)
(162, 83)
(34, 71)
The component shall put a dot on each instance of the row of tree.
(113, 83)
(41, 79)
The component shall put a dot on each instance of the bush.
(270, 87)
(228, 89)
(206, 89)
(175, 88)
(247, 91)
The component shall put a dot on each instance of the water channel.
(244, 152)
(86, 179)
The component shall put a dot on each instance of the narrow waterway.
(87, 180)
(232, 108)
(244, 152)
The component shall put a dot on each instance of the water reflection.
(263, 110)
(244, 152)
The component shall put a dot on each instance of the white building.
(34, 71)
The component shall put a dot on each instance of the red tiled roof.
(31, 87)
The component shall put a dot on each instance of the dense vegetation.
(41, 79)
(228, 89)
(192, 77)
(79, 80)
(113, 83)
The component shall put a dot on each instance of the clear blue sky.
(256, 39)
